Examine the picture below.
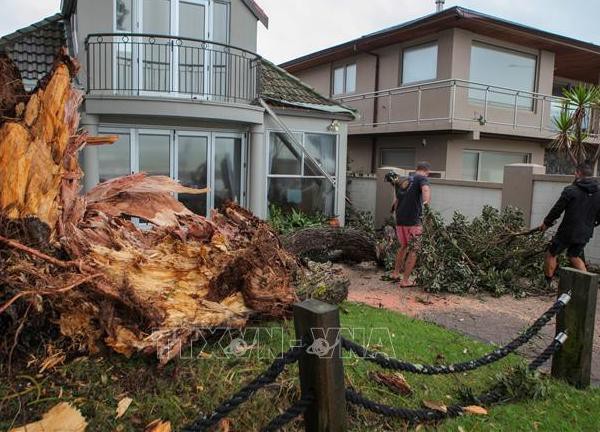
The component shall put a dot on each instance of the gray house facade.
(180, 83)
(467, 91)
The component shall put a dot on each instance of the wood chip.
(123, 406)
(475, 409)
(436, 406)
(60, 418)
(158, 426)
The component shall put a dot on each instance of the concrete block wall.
(361, 190)
(447, 196)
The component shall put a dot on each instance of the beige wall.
(456, 147)
(318, 78)
(360, 151)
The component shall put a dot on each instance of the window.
(398, 157)
(124, 16)
(115, 160)
(292, 182)
(488, 166)
(344, 79)
(198, 159)
(503, 68)
(419, 63)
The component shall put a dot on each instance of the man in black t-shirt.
(408, 208)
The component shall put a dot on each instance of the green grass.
(187, 387)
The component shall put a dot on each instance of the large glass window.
(344, 79)
(124, 15)
(114, 160)
(293, 182)
(504, 68)
(419, 63)
(489, 166)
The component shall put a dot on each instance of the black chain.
(391, 363)
(267, 377)
(296, 410)
(414, 416)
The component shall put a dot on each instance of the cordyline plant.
(572, 130)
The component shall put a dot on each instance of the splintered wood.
(103, 277)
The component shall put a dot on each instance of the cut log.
(331, 244)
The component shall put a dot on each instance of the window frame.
(479, 153)
(435, 43)
(515, 51)
(383, 149)
(344, 68)
(303, 133)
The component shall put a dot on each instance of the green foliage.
(481, 255)
(287, 221)
(361, 220)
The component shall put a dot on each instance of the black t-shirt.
(409, 209)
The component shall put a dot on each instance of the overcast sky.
(298, 27)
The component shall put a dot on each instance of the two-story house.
(180, 83)
(466, 91)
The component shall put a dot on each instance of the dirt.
(489, 319)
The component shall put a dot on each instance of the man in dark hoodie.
(581, 204)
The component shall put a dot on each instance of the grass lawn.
(187, 387)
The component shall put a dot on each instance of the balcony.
(134, 64)
(461, 105)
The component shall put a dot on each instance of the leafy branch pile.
(481, 255)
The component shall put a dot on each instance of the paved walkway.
(486, 318)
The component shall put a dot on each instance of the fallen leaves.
(60, 418)
(122, 406)
(475, 409)
(394, 381)
(436, 406)
(158, 426)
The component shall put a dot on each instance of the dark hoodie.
(581, 204)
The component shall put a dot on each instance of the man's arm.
(558, 208)
(426, 192)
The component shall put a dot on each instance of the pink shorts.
(406, 233)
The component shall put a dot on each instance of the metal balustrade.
(136, 64)
(455, 100)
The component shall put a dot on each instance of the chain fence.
(410, 415)
(494, 356)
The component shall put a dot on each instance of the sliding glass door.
(214, 160)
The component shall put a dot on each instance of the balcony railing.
(158, 65)
(455, 100)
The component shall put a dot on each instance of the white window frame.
(479, 152)
(403, 59)
(344, 67)
(302, 163)
(137, 17)
(174, 134)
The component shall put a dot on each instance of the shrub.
(285, 221)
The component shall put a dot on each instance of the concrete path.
(486, 318)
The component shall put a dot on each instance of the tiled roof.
(33, 48)
(281, 88)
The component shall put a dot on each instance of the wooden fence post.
(573, 362)
(321, 366)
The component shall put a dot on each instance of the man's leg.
(411, 258)
(575, 254)
(578, 263)
(399, 263)
(550, 264)
(409, 265)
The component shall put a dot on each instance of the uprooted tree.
(79, 265)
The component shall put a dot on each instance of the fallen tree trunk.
(331, 244)
(83, 264)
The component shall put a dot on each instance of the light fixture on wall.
(424, 142)
(334, 126)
